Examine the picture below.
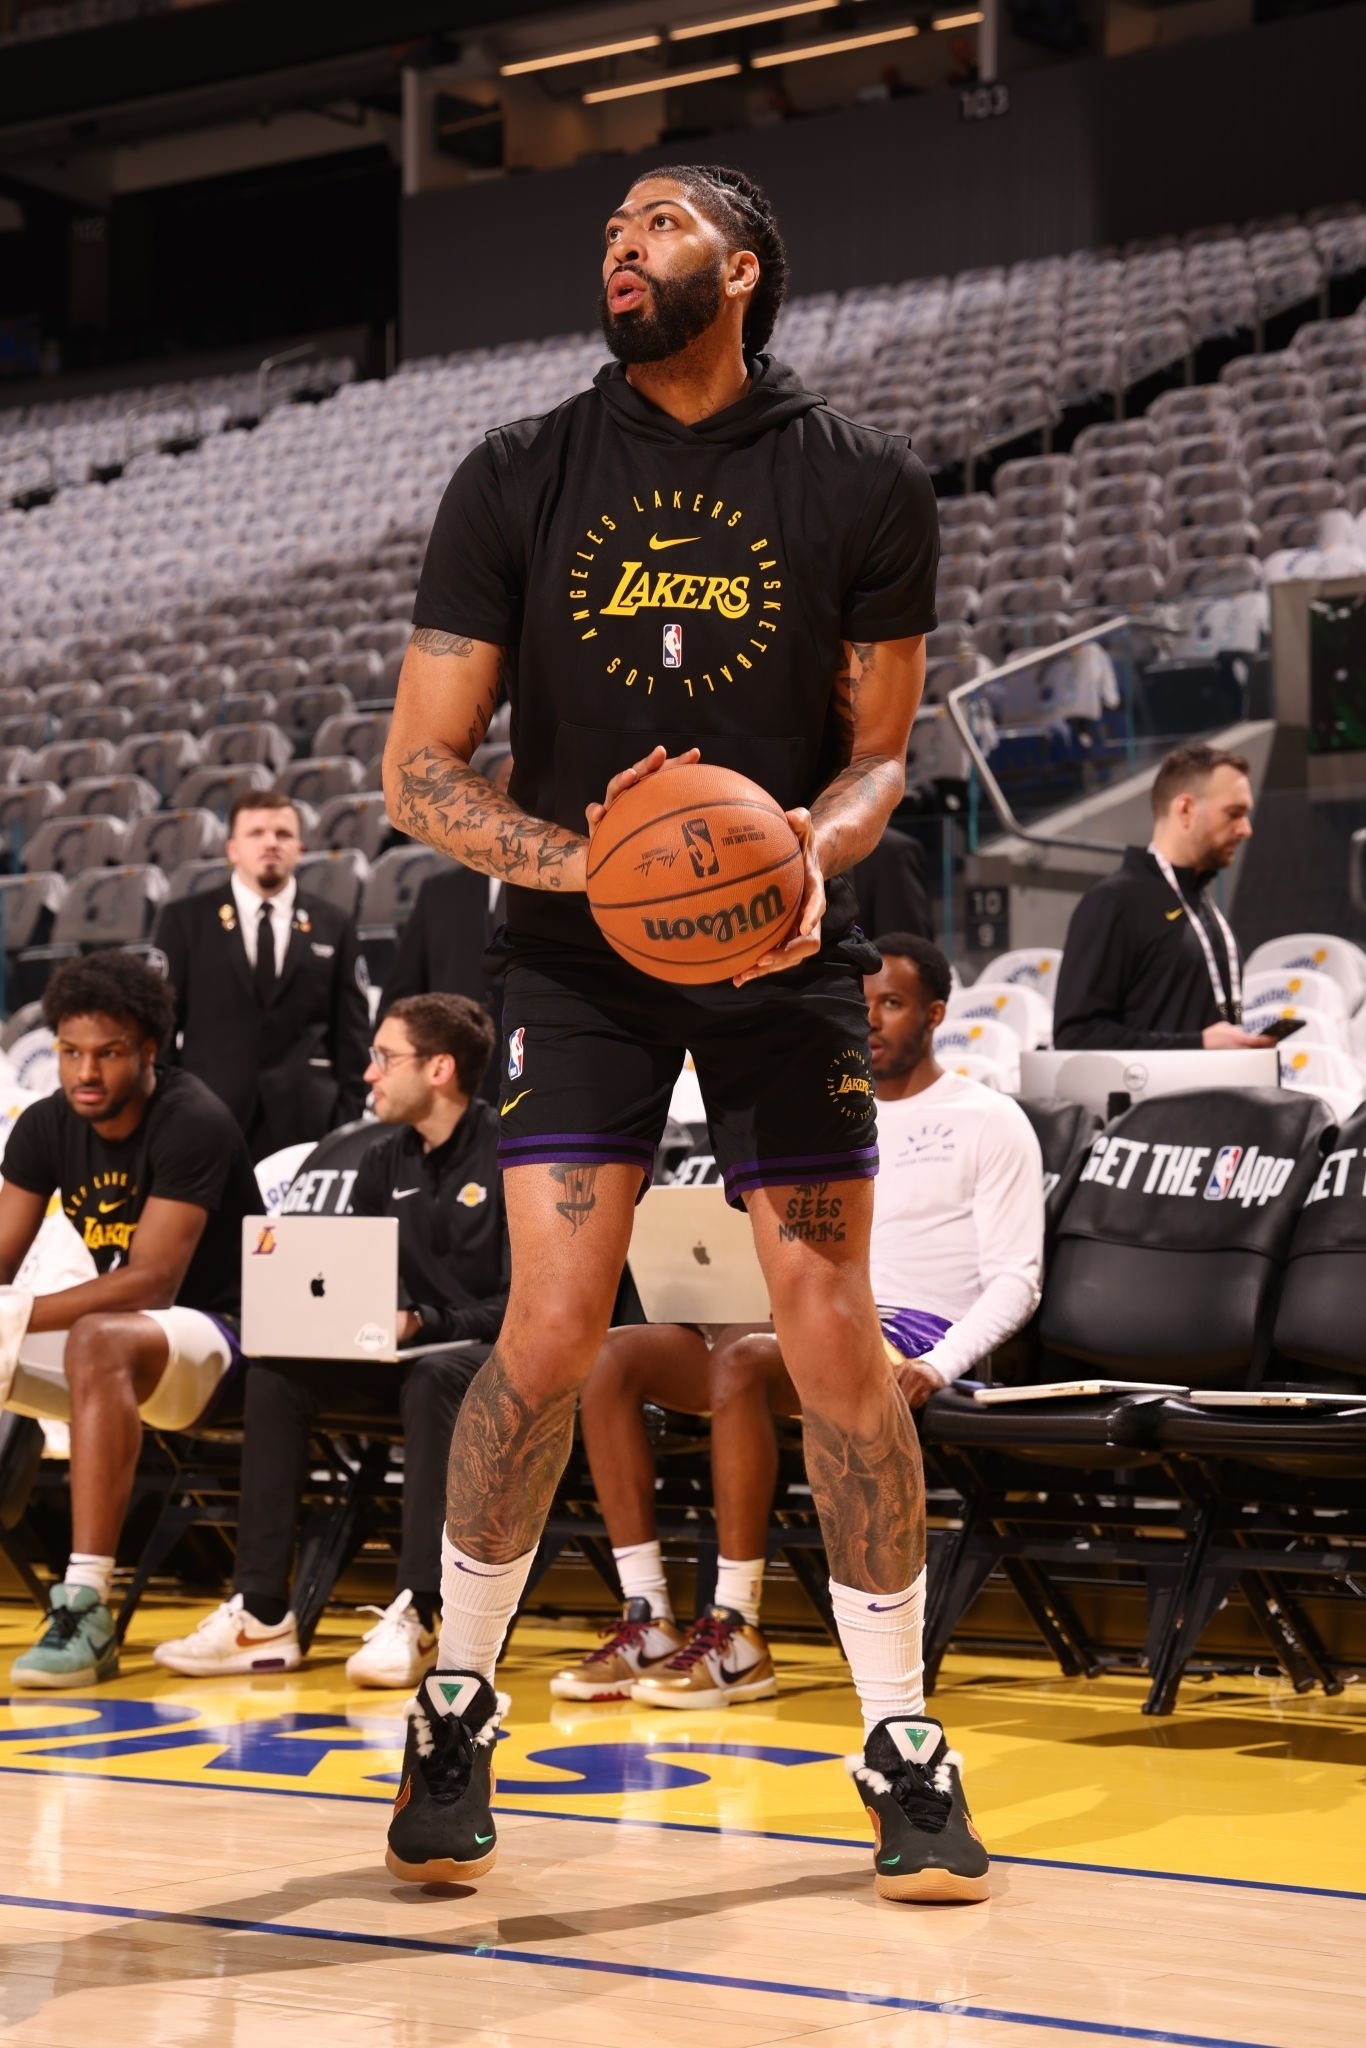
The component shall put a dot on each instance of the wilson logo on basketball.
(722, 925)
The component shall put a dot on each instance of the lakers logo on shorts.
(849, 1084)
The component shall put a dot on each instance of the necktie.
(265, 955)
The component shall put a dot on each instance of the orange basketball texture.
(694, 873)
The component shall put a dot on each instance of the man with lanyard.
(696, 555)
(1150, 962)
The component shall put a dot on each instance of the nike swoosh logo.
(659, 545)
(402, 1194)
(514, 1102)
(245, 1642)
(888, 1862)
(734, 1677)
(107, 1208)
(873, 1607)
(461, 1567)
(481, 1839)
(1172, 915)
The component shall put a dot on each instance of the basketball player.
(694, 557)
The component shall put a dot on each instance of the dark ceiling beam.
(76, 74)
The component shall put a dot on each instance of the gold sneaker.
(724, 1659)
(635, 1644)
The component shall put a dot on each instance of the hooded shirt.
(656, 583)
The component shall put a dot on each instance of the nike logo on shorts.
(402, 1194)
(514, 1102)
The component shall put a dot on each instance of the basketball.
(694, 873)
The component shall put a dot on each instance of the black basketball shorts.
(591, 1050)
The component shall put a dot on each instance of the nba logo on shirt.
(515, 1053)
(1222, 1172)
(673, 646)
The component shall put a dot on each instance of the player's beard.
(681, 309)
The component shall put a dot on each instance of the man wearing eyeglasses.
(436, 1170)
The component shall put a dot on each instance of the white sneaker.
(231, 1640)
(398, 1650)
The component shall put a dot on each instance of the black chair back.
(1319, 1320)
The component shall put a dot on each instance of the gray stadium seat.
(169, 714)
(170, 838)
(235, 746)
(115, 796)
(338, 874)
(318, 778)
(281, 676)
(357, 733)
(68, 761)
(109, 907)
(57, 699)
(313, 644)
(305, 710)
(391, 889)
(161, 758)
(358, 820)
(213, 788)
(28, 904)
(192, 877)
(65, 846)
(242, 707)
(24, 807)
(99, 722)
(31, 730)
(18, 764)
(358, 669)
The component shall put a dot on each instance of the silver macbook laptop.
(320, 1286)
(693, 1259)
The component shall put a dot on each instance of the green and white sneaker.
(78, 1646)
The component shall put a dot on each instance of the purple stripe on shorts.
(834, 1165)
(618, 1143)
(912, 1331)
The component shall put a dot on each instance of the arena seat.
(1034, 967)
(338, 874)
(981, 1038)
(213, 789)
(1307, 985)
(67, 846)
(192, 877)
(129, 797)
(1009, 1003)
(170, 838)
(24, 807)
(1318, 952)
(107, 907)
(28, 905)
(358, 819)
(314, 781)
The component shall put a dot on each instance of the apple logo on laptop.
(317, 1286)
(701, 1254)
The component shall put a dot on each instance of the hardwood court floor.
(192, 1865)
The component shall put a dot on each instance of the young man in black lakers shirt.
(155, 1178)
(693, 557)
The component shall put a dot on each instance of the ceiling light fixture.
(756, 19)
(665, 82)
(524, 64)
(957, 20)
(768, 58)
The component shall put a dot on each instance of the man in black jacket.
(437, 1171)
(270, 1007)
(1150, 962)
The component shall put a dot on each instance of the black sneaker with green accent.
(442, 1831)
(926, 1845)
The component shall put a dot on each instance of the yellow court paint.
(1245, 1781)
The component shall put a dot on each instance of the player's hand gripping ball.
(694, 873)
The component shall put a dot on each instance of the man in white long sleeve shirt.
(957, 1257)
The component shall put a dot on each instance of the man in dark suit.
(270, 1007)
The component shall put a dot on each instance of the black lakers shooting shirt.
(657, 583)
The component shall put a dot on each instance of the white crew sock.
(740, 1584)
(85, 1569)
(477, 1602)
(882, 1637)
(640, 1567)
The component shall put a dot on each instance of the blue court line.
(652, 1972)
(702, 1827)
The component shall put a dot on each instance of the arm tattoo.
(507, 1455)
(580, 1194)
(428, 641)
(851, 811)
(869, 1494)
(437, 797)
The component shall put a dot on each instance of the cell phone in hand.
(1281, 1027)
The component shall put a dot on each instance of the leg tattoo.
(580, 1194)
(869, 1494)
(507, 1455)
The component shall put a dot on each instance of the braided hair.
(744, 213)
